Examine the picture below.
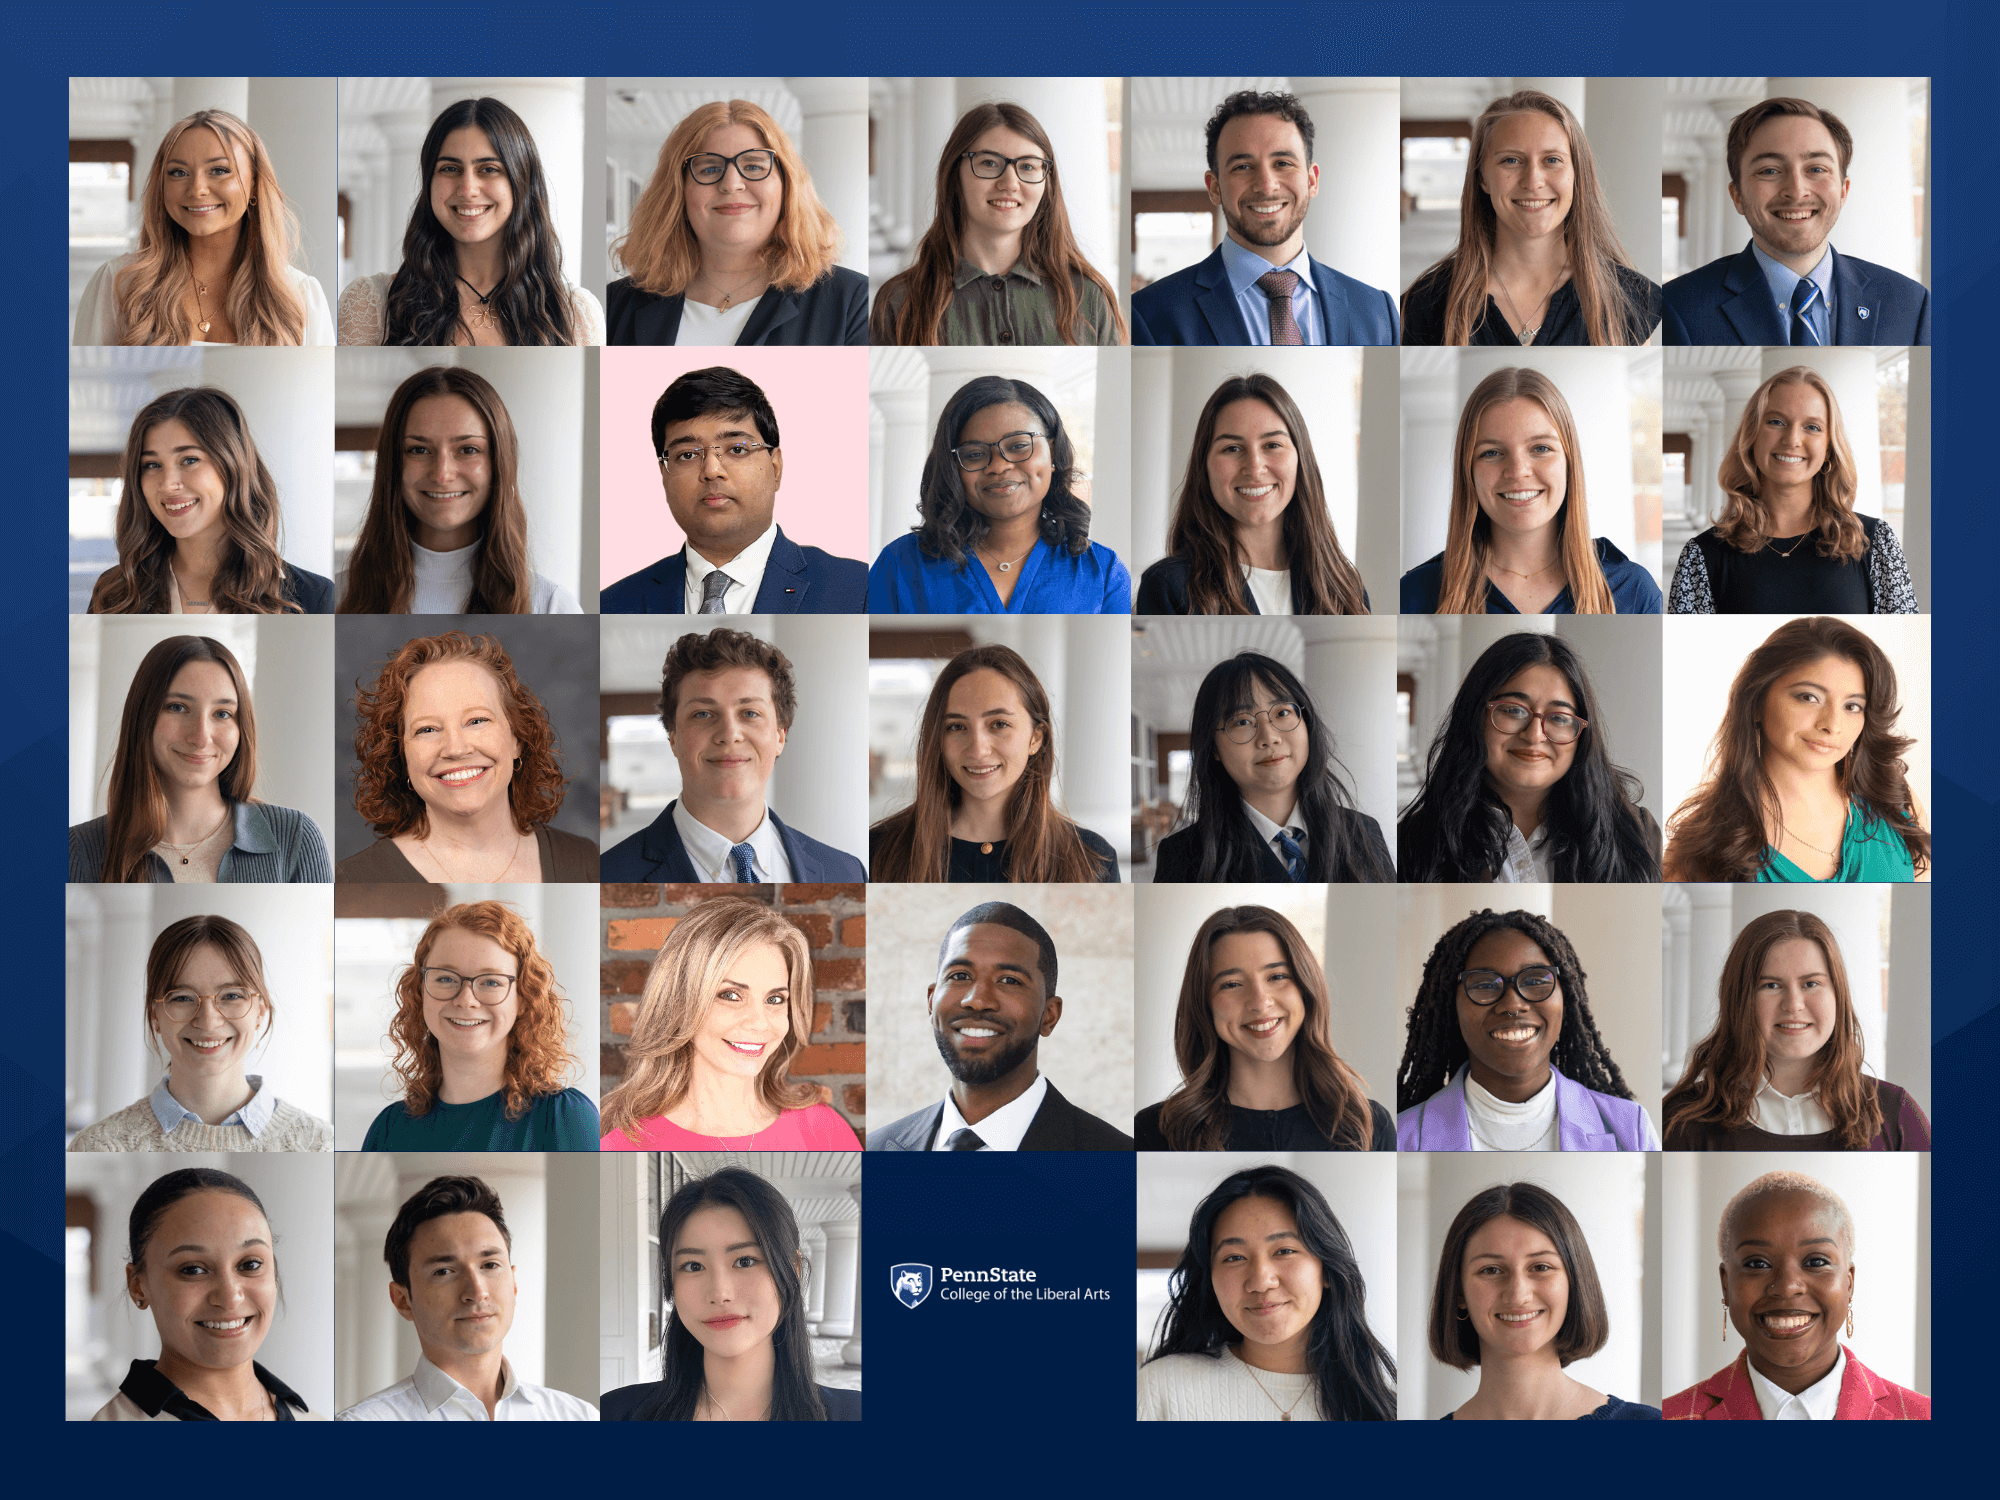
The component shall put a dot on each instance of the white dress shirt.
(745, 570)
(430, 1395)
(708, 851)
(1787, 1114)
(1498, 1125)
(1816, 1403)
(253, 1117)
(1528, 860)
(1002, 1130)
(1269, 831)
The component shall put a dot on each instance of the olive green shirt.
(1016, 308)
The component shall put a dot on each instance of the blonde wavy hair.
(1746, 524)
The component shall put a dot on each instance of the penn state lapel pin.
(1860, 312)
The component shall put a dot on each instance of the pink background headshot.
(820, 398)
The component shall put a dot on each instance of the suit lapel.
(662, 844)
(666, 588)
(1579, 1123)
(1730, 1390)
(1441, 1121)
(1332, 305)
(1855, 312)
(1052, 1129)
(804, 867)
(774, 309)
(659, 322)
(1216, 303)
(783, 591)
(1861, 1391)
(1749, 309)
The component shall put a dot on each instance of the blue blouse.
(1633, 591)
(906, 582)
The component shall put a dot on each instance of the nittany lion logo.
(911, 1284)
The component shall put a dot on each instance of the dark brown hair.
(1746, 125)
(1586, 1325)
(717, 650)
(435, 1199)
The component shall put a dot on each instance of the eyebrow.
(1517, 693)
(985, 713)
(1547, 1250)
(1238, 436)
(690, 438)
(419, 437)
(726, 1249)
(177, 448)
(1803, 156)
(183, 161)
(461, 160)
(1809, 974)
(203, 1249)
(1802, 682)
(1281, 1234)
(743, 984)
(1824, 1239)
(434, 1260)
(1235, 156)
(1276, 963)
(190, 698)
(1531, 438)
(962, 962)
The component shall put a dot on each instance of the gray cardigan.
(272, 846)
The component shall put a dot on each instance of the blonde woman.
(726, 1012)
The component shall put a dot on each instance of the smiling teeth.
(1795, 214)
(977, 1031)
(1785, 1322)
(753, 1048)
(215, 1046)
(1512, 1034)
(1519, 494)
(181, 508)
(223, 1325)
(466, 775)
(1526, 1317)
(446, 494)
(1263, 1028)
(1256, 493)
(464, 1025)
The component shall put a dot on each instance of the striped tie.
(1802, 298)
(713, 588)
(1290, 852)
(1279, 286)
(740, 855)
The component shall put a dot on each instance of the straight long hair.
(1048, 245)
(250, 578)
(1323, 580)
(950, 526)
(1353, 1374)
(1746, 520)
(1226, 844)
(382, 573)
(1196, 1115)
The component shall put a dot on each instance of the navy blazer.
(833, 310)
(1728, 301)
(797, 581)
(1058, 1126)
(1196, 306)
(656, 852)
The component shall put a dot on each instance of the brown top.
(1017, 308)
(565, 857)
(1904, 1128)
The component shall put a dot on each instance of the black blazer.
(1269, 1130)
(309, 591)
(1417, 840)
(656, 852)
(1175, 859)
(1163, 590)
(833, 310)
(1058, 1126)
(622, 1405)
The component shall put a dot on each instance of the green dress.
(554, 1122)
(1870, 850)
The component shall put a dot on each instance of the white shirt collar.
(708, 850)
(746, 568)
(1527, 859)
(1786, 1114)
(1002, 1130)
(253, 1116)
(1269, 831)
(1816, 1403)
(436, 1387)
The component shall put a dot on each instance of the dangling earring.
(1850, 1321)
(1725, 1320)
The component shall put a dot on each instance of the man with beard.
(994, 1000)
(1259, 286)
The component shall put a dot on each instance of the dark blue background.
(1048, 1405)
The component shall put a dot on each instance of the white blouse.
(97, 313)
(705, 325)
(1786, 1114)
(365, 301)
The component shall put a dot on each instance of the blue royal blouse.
(1053, 582)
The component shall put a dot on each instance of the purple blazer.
(1585, 1121)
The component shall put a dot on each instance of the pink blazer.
(1726, 1396)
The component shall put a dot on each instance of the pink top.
(818, 1128)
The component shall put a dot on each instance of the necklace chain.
(184, 850)
(1796, 544)
(512, 855)
(1527, 334)
(729, 297)
(1284, 1412)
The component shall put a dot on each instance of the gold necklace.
(728, 298)
(512, 855)
(1829, 853)
(1284, 1412)
(190, 848)
(1512, 574)
(1789, 550)
(201, 311)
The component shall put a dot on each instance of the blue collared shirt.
(253, 1117)
(1782, 280)
(1245, 266)
(708, 851)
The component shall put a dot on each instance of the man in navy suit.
(727, 699)
(1788, 178)
(1259, 286)
(716, 438)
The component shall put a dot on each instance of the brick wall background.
(635, 921)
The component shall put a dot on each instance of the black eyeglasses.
(1533, 984)
(993, 164)
(1512, 717)
(755, 165)
(1015, 447)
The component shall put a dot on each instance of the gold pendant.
(202, 326)
(482, 319)
(983, 849)
(1284, 1416)
(726, 300)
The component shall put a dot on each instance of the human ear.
(399, 1298)
(1051, 1013)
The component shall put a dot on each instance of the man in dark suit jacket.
(727, 700)
(1262, 176)
(716, 438)
(993, 1002)
(1788, 178)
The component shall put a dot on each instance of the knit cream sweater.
(1195, 1388)
(137, 1128)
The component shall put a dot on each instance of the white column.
(1111, 470)
(1851, 373)
(1430, 423)
(347, 1266)
(1155, 467)
(85, 1003)
(376, 1320)
(1571, 91)
(571, 1273)
(86, 638)
(1357, 149)
(401, 185)
(833, 138)
(126, 1070)
(297, 770)
(543, 392)
(1624, 135)
(843, 1249)
(1350, 670)
(1716, 431)
(1723, 229)
(820, 783)
(1878, 222)
(287, 397)
(552, 109)
(295, 118)
(1917, 476)
(1095, 725)
(906, 435)
(812, 1244)
(934, 110)
(1412, 1253)
(952, 367)
(1376, 539)
(850, 1352)
(1710, 931)
(232, 94)
(1675, 915)
(1072, 112)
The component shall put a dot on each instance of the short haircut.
(1745, 125)
(1785, 1182)
(1002, 914)
(435, 1199)
(717, 650)
(1585, 1326)
(1252, 102)
(715, 391)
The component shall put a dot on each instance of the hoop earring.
(1463, 1317)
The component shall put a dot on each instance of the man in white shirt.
(451, 1273)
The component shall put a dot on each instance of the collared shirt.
(1269, 831)
(253, 1117)
(708, 851)
(269, 844)
(1002, 1130)
(745, 569)
(1782, 279)
(430, 1395)
(1816, 1403)
(1527, 859)
(1245, 266)
(1010, 310)
(1499, 1125)
(1787, 1114)
(145, 1395)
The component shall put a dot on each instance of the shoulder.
(1882, 279)
(840, 285)
(1175, 287)
(1384, 1125)
(382, 1406)
(588, 312)
(133, 1128)
(908, 1133)
(309, 591)
(1146, 1132)
(388, 1122)
(1615, 1410)
(823, 1128)
(841, 1406)
(1100, 846)
(380, 862)
(564, 1106)
(1424, 304)
(97, 310)
(1641, 291)
(86, 851)
(622, 1405)
(1163, 588)
(1174, 858)
(1892, 1402)
(363, 302)
(1702, 281)
(1092, 1134)
(299, 1129)
(1633, 590)
(574, 857)
(1420, 587)
(825, 564)
(1172, 1373)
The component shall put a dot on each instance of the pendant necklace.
(484, 318)
(1789, 550)
(201, 311)
(729, 298)
(1527, 333)
(1284, 1412)
(184, 850)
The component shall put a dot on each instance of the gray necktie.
(713, 588)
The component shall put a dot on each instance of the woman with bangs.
(198, 527)
(986, 763)
(481, 1044)
(1251, 534)
(730, 244)
(999, 264)
(1790, 540)
(446, 532)
(727, 1011)
(1806, 779)
(1783, 1069)
(482, 263)
(1519, 537)
(1253, 1037)
(1537, 260)
(216, 246)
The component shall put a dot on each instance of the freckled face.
(1520, 475)
(1813, 716)
(749, 1015)
(468, 1031)
(457, 744)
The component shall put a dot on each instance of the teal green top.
(554, 1122)
(1870, 850)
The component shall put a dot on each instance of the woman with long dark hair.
(1003, 529)
(1268, 1318)
(736, 1346)
(198, 526)
(986, 763)
(446, 532)
(1538, 260)
(1519, 786)
(1251, 534)
(999, 264)
(481, 260)
(1783, 1068)
(1806, 779)
(1265, 799)
(1254, 1042)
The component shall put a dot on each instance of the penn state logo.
(911, 1284)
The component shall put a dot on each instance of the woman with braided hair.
(1490, 1065)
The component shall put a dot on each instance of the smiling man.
(716, 440)
(727, 700)
(992, 1003)
(451, 1273)
(1259, 286)
(1788, 179)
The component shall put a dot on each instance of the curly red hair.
(382, 791)
(538, 1055)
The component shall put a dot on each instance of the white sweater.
(137, 1128)
(1195, 1388)
(444, 584)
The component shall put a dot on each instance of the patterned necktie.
(1290, 852)
(1278, 286)
(713, 588)
(740, 856)
(966, 1140)
(1802, 298)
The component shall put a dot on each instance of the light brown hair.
(1746, 524)
(175, 946)
(1747, 124)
